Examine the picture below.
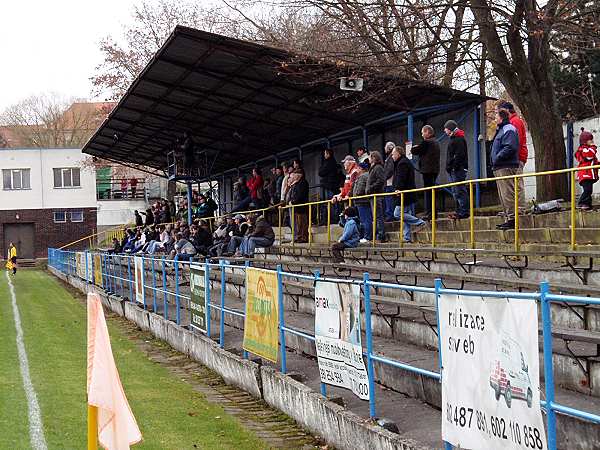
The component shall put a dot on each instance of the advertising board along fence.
(119, 277)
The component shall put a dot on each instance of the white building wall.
(43, 194)
(118, 212)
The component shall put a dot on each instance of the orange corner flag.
(117, 428)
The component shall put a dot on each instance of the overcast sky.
(52, 45)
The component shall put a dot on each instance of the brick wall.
(47, 232)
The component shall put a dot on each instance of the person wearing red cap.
(586, 156)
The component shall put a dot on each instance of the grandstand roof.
(242, 102)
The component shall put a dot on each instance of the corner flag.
(116, 427)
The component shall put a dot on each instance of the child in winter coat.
(586, 156)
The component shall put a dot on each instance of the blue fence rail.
(115, 281)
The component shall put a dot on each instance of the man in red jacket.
(519, 124)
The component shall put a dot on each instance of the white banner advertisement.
(337, 337)
(490, 375)
(139, 278)
(90, 267)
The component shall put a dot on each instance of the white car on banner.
(509, 373)
(490, 373)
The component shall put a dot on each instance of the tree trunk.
(545, 126)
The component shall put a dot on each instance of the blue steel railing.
(113, 282)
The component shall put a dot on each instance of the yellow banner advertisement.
(98, 270)
(262, 314)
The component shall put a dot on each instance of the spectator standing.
(519, 124)
(284, 182)
(149, 219)
(350, 236)
(388, 170)
(586, 156)
(362, 155)
(279, 177)
(298, 196)
(255, 185)
(505, 162)
(404, 179)
(241, 195)
(139, 221)
(375, 185)
(351, 169)
(363, 206)
(428, 152)
(133, 184)
(330, 174)
(457, 164)
(124, 187)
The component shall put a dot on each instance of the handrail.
(571, 171)
(401, 194)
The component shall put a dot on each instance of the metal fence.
(117, 272)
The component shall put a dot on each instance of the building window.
(14, 179)
(76, 216)
(60, 216)
(67, 177)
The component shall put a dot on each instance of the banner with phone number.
(490, 375)
(337, 337)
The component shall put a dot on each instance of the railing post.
(131, 299)
(281, 319)
(153, 286)
(368, 331)
(374, 222)
(222, 315)
(109, 282)
(246, 265)
(517, 243)
(573, 212)
(433, 214)
(471, 216)
(122, 281)
(177, 311)
(317, 274)
(87, 276)
(143, 274)
(165, 297)
(438, 288)
(401, 230)
(309, 226)
(292, 225)
(329, 223)
(207, 291)
(280, 226)
(548, 369)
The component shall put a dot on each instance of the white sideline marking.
(36, 429)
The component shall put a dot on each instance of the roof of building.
(242, 102)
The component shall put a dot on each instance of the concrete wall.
(43, 194)
(333, 423)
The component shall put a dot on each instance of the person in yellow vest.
(11, 263)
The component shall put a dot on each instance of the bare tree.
(51, 121)
(151, 25)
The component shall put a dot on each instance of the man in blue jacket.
(505, 162)
(350, 237)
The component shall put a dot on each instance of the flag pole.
(92, 427)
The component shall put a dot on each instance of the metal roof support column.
(383, 141)
(300, 153)
(477, 147)
(365, 133)
(189, 200)
(410, 125)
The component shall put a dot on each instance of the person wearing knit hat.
(586, 156)
(457, 163)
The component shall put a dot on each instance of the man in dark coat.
(428, 152)
(388, 169)
(299, 195)
(375, 185)
(505, 162)
(457, 164)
